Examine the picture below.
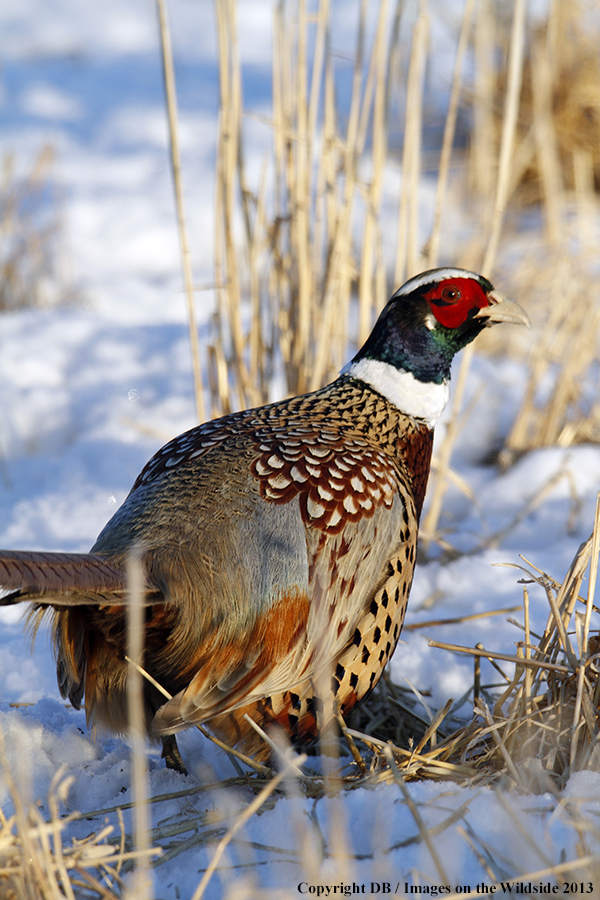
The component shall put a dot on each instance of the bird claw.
(171, 755)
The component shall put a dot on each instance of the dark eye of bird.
(451, 294)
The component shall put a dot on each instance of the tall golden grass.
(300, 262)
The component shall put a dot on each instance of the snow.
(89, 391)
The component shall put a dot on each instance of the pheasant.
(277, 544)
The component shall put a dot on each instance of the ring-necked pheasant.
(278, 544)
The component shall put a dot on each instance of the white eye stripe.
(434, 277)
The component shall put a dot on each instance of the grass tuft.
(31, 273)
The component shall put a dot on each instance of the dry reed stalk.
(431, 730)
(423, 830)
(407, 254)
(351, 744)
(302, 217)
(545, 138)
(528, 673)
(227, 270)
(509, 126)
(438, 490)
(583, 176)
(371, 290)
(142, 883)
(248, 812)
(259, 373)
(186, 264)
(338, 277)
(595, 550)
(565, 351)
(322, 130)
(281, 751)
(448, 138)
(501, 743)
(58, 791)
(458, 620)
(492, 654)
(511, 107)
(483, 155)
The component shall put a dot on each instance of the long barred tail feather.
(63, 579)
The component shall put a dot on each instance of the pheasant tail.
(61, 579)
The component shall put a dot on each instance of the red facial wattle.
(454, 301)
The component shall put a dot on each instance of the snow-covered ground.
(90, 390)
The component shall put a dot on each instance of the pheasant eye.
(450, 294)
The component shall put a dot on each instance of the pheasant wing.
(343, 500)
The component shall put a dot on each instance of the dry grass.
(287, 244)
(186, 265)
(559, 121)
(551, 264)
(37, 861)
(541, 728)
(297, 290)
(30, 232)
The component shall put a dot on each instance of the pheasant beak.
(501, 309)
